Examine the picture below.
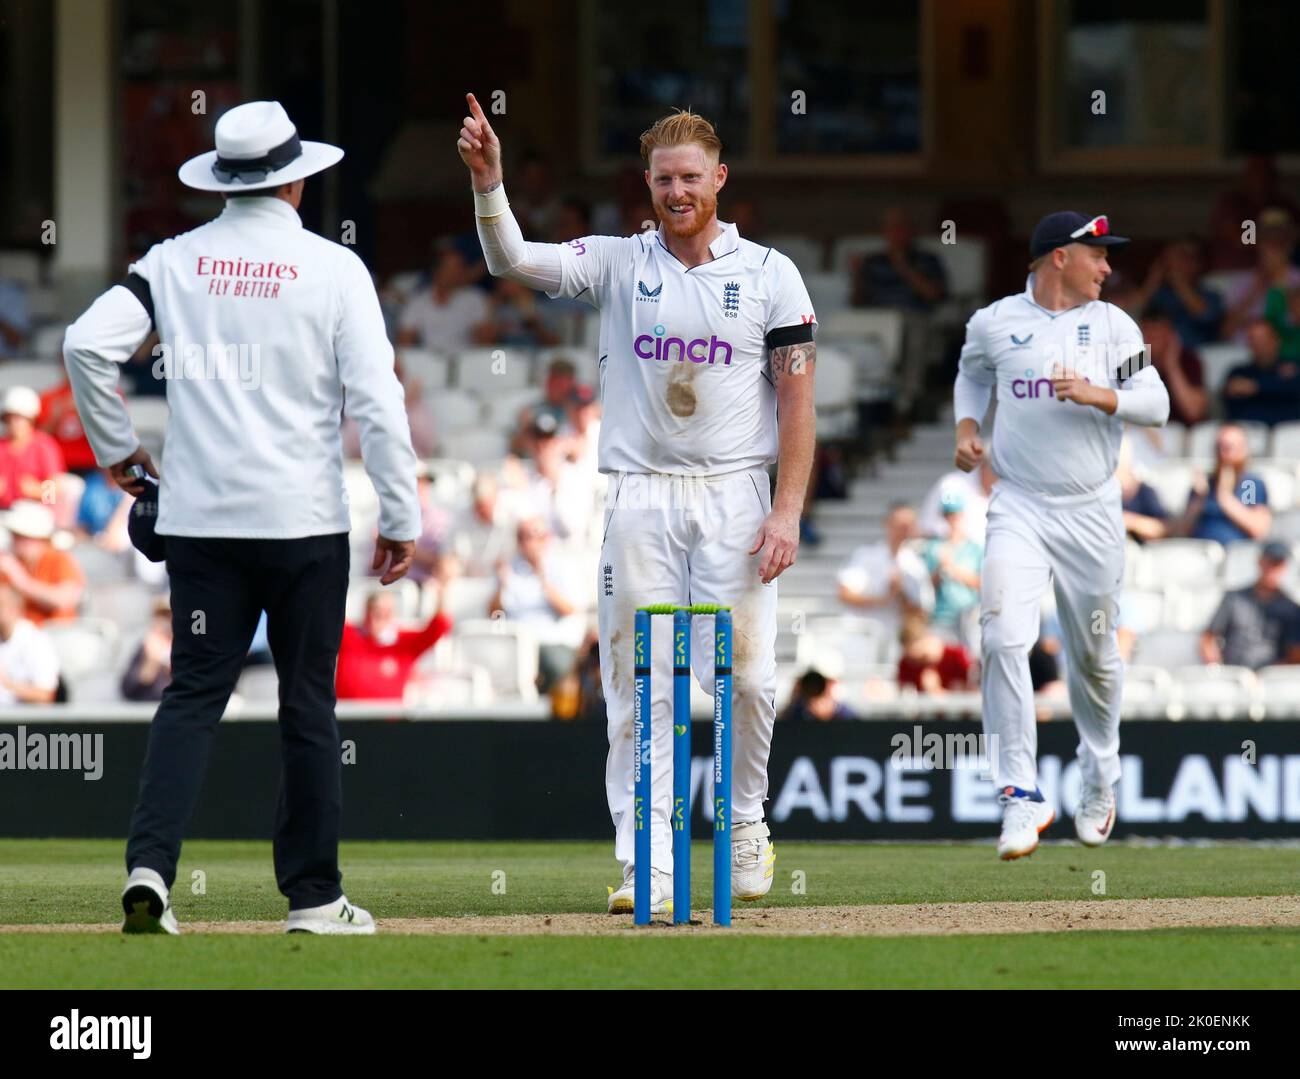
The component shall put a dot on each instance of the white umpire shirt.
(1050, 447)
(267, 332)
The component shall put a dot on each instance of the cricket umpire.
(267, 333)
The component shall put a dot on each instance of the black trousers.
(219, 588)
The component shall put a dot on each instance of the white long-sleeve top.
(1055, 448)
(685, 374)
(267, 333)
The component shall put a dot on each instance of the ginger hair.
(681, 128)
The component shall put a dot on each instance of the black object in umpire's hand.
(143, 521)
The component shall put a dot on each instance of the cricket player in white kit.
(704, 337)
(1069, 371)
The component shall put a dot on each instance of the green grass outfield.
(78, 882)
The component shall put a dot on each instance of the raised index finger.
(476, 111)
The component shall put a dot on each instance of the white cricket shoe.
(146, 904)
(623, 899)
(1095, 816)
(753, 860)
(337, 918)
(1024, 816)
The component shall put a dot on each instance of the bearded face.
(684, 183)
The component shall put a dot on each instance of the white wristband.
(491, 203)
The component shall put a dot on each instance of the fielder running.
(704, 336)
(1070, 371)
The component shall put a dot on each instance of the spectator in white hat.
(48, 579)
(29, 665)
(29, 459)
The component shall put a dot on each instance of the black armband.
(789, 335)
(138, 287)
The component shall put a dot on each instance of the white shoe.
(146, 904)
(339, 918)
(1024, 816)
(753, 860)
(623, 899)
(1095, 816)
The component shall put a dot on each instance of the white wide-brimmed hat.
(28, 518)
(21, 401)
(257, 147)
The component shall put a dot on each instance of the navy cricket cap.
(143, 521)
(1067, 227)
(1275, 552)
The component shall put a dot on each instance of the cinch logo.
(660, 347)
(1030, 387)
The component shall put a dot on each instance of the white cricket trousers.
(682, 539)
(1077, 545)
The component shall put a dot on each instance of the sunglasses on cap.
(1098, 226)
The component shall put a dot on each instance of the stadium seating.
(1240, 565)
(1217, 360)
(1179, 563)
(455, 411)
(1172, 482)
(1279, 690)
(1286, 441)
(1191, 609)
(834, 392)
(1168, 648)
(468, 598)
(486, 371)
(506, 650)
(805, 253)
(449, 691)
(100, 566)
(432, 370)
(853, 645)
(84, 646)
(1217, 692)
(878, 324)
(479, 446)
(38, 375)
(127, 605)
(829, 292)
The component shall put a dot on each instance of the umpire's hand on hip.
(399, 554)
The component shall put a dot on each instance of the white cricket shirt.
(1040, 444)
(269, 330)
(28, 658)
(686, 385)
